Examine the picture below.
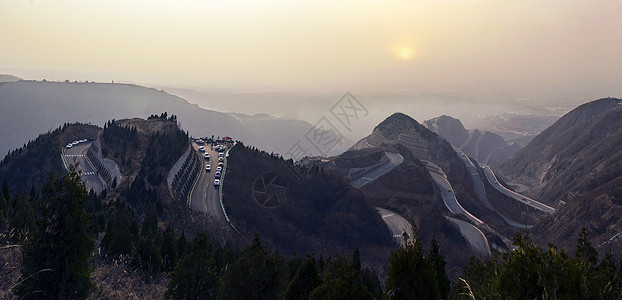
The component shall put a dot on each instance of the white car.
(221, 154)
(206, 156)
(208, 168)
(216, 182)
(69, 145)
(221, 159)
(75, 142)
(217, 174)
(83, 141)
(218, 169)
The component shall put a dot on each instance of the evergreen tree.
(181, 244)
(438, 261)
(5, 190)
(479, 278)
(411, 276)
(22, 222)
(255, 275)
(305, 281)
(196, 275)
(61, 244)
(4, 211)
(169, 250)
(342, 280)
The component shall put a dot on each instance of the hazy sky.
(385, 46)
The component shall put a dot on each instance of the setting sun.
(405, 53)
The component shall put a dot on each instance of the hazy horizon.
(296, 59)
(397, 47)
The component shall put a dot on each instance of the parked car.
(219, 169)
(69, 145)
(216, 182)
(217, 174)
(221, 159)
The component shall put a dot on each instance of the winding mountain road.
(398, 225)
(480, 189)
(447, 192)
(395, 159)
(490, 175)
(204, 195)
(474, 237)
(76, 155)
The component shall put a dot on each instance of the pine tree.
(56, 259)
(181, 244)
(255, 275)
(342, 280)
(22, 222)
(411, 276)
(196, 274)
(169, 250)
(4, 210)
(438, 261)
(307, 278)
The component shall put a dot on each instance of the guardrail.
(514, 195)
(222, 181)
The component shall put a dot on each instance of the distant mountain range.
(576, 165)
(514, 127)
(32, 107)
(8, 78)
(484, 146)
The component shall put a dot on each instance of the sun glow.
(405, 53)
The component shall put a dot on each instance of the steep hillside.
(29, 165)
(576, 164)
(30, 107)
(423, 144)
(410, 191)
(484, 146)
(309, 212)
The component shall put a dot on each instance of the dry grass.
(10, 265)
(116, 280)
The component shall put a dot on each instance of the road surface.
(447, 192)
(88, 173)
(397, 225)
(490, 175)
(478, 184)
(395, 160)
(360, 144)
(474, 237)
(204, 195)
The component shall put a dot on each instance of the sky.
(473, 47)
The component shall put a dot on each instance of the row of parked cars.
(77, 142)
